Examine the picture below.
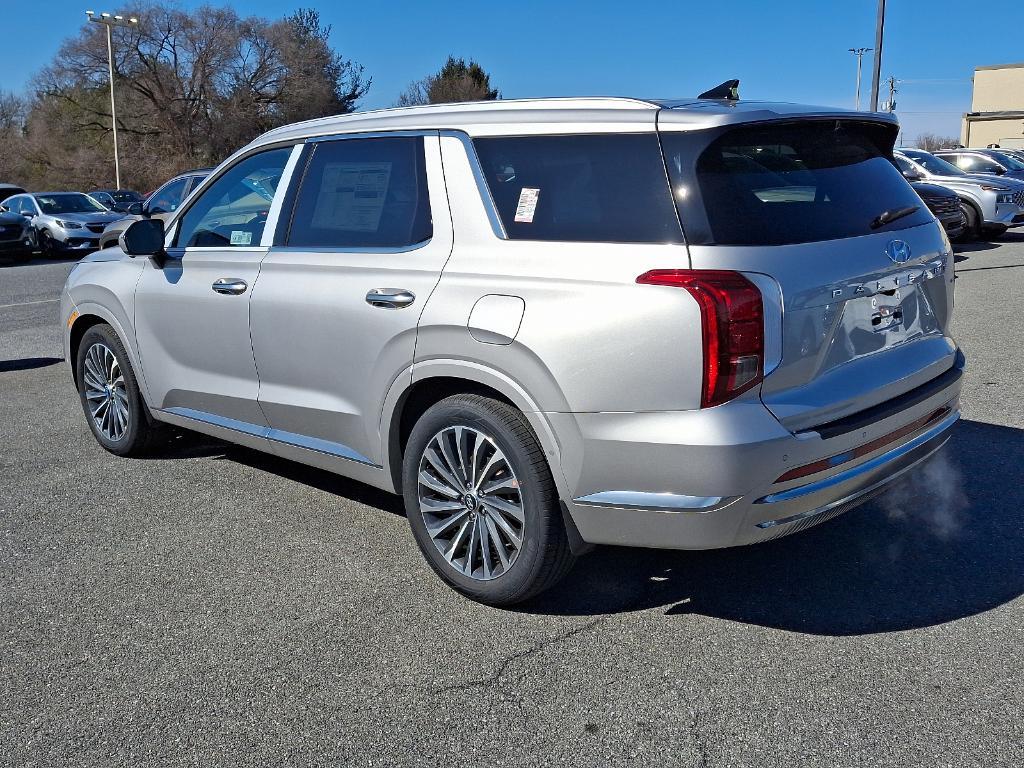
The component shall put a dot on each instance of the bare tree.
(191, 88)
(929, 142)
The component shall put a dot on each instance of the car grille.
(1018, 198)
(97, 228)
(943, 206)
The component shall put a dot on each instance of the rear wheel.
(971, 221)
(46, 245)
(110, 395)
(481, 501)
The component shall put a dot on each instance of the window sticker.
(352, 196)
(527, 205)
(240, 237)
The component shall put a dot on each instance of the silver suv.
(548, 324)
(990, 204)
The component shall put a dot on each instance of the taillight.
(732, 325)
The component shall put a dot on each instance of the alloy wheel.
(105, 392)
(471, 502)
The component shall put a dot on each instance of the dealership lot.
(217, 606)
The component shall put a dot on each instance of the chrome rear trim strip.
(862, 469)
(662, 502)
(274, 435)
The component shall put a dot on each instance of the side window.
(168, 197)
(13, 205)
(583, 188)
(233, 210)
(369, 193)
(983, 165)
(904, 165)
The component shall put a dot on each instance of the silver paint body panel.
(607, 372)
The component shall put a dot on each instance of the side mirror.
(144, 237)
(912, 175)
(1000, 171)
(28, 214)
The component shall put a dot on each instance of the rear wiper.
(889, 216)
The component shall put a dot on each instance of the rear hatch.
(864, 273)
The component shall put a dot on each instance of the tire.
(46, 246)
(972, 229)
(116, 414)
(513, 482)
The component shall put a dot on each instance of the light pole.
(859, 53)
(876, 70)
(109, 22)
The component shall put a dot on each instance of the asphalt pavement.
(216, 606)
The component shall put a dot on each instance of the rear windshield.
(780, 183)
(585, 188)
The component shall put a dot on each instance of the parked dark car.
(7, 190)
(945, 204)
(117, 199)
(160, 204)
(987, 161)
(16, 237)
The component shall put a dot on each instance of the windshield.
(68, 203)
(125, 196)
(789, 182)
(933, 164)
(1009, 161)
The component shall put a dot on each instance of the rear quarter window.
(583, 188)
(783, 183)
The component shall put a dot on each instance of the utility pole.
(110, 22)
(859, 53)
(890, 105)
(876, 73)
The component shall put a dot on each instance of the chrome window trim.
(385, 250)
(369, 135)
(339, 450)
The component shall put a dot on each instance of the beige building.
(997, 109)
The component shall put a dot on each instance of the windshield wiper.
(886, 217)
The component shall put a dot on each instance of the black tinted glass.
(779, 183)
(363, 193)
(587, 188)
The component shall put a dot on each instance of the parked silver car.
(990, 204)
(62, 222)
(492, 309)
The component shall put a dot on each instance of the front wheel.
(972, 229)
(110, 395)
(47, 248)
(481, 501)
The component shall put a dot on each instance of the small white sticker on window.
(527, 205)
(239, 237)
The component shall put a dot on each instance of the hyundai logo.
(898, 251)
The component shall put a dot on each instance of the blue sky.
(786, 50)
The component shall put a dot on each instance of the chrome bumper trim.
(862, 469)
(659, 502)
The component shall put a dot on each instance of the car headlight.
(68, 224)
(1004, 197)
(994, 188)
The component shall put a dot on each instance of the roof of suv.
(558, 115)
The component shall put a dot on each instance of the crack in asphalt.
(537, 647)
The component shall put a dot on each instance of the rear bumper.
(719, 490)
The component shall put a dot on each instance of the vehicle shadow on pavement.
(28, 363)
(912, 558)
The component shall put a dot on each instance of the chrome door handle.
(390, 298)
(231, 286)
